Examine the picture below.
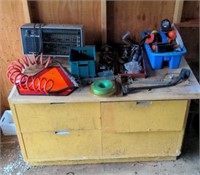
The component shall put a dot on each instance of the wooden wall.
(190, 37)
(136, 16)
(190, 30)
(101, 18)
(190, 10)
(11, 18)
(83, 12)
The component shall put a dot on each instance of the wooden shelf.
(189, 23)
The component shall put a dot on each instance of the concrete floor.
(11, 163)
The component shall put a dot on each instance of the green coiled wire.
(103, 87)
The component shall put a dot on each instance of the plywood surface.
(84, 12)
(190, 89)
(11, 18)
(150, 144)
(58, 119)
(77, 145)
(126, 117)
(190, 36)
(190, 10)
(136, 16)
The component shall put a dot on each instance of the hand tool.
(160, 82)
(184, 74)
(126, 38)
(131, 62)
(106, 58)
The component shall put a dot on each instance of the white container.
(6, 123)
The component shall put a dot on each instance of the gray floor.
(188, 163)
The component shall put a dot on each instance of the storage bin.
(82, 61)
(157, 59)
(6, 123)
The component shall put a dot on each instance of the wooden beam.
(104, 21)
(26, 11)
(12, 17)
(178, 11)
(189, 23)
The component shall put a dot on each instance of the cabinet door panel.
(142, 117)
(52, 117)
(149, 144)
(72, 145)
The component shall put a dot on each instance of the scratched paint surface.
(11, 163)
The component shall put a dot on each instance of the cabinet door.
(63, 145)
(144, 144)
(143, 116)
(52, 117)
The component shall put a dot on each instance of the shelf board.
(189, 23)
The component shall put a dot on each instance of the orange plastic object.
(150, 38)
(153, 47)
(50, 81)
(172, 34)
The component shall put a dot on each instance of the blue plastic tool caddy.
(157, 59)
(82, 61)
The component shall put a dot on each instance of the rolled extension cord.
(103, 87)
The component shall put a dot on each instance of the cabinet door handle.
(62, 132)
(57, 103)
(143, 103)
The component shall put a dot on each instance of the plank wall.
(136, 16)
(190, 37)
(83, 12)
(190, 10)
(190, 32)
(11, 18)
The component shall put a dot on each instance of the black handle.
(184, 74)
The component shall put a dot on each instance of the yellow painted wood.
(77, 145)
(143, 116)
(180, 142)
(53, 117)
(149, 144)
(95, 132)
(18, 130)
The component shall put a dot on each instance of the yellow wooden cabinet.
(143, 129)
(83, 128)
(100, 131)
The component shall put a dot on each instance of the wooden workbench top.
(190, 89)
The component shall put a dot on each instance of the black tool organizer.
(113, 57)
